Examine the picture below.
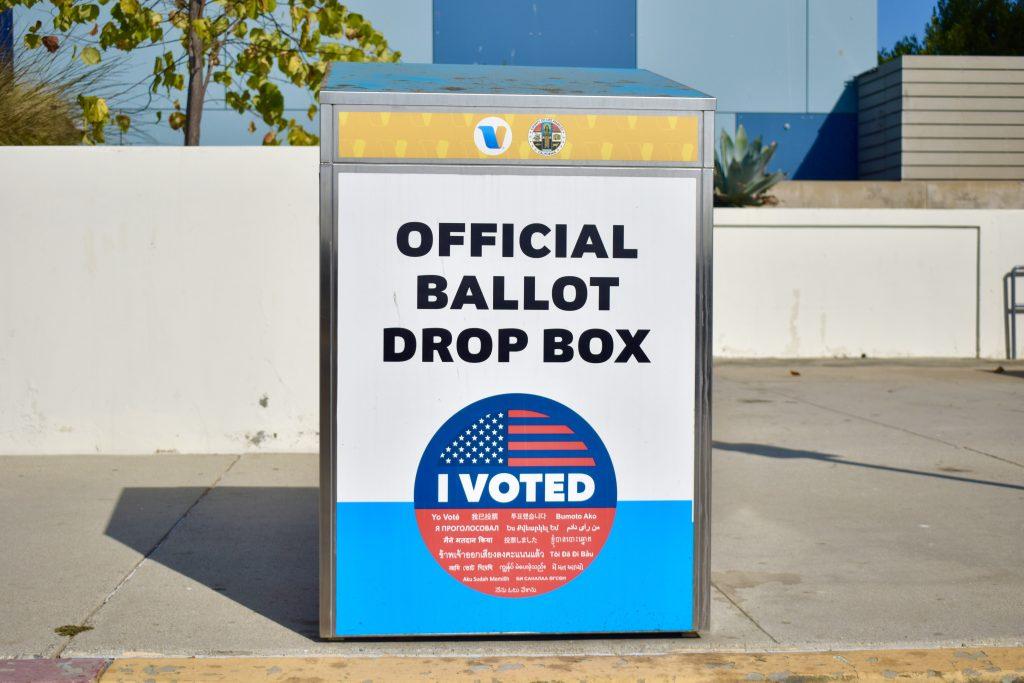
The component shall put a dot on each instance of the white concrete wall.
(151, 297)
(845, 291)
(880, 282)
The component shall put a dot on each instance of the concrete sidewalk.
(856, 504)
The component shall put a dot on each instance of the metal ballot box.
(515, 367)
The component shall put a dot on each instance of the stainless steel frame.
(563, 104)
(702, 404)
(328, 398)
(592, 104)
(329, 169)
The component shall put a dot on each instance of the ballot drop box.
(515, 326)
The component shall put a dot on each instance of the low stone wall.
(895, 194)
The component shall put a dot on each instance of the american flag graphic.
(516, 438)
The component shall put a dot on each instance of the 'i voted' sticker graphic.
(515, 495)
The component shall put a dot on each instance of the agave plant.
(741, 178)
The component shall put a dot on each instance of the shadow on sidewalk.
(255, 545)
(766, 451)
(1002, 372)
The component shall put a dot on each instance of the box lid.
(380, 83)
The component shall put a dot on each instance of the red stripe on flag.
(539, 429)
(525, 413)
(547, 446)
(550, 462)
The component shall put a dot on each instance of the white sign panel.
(515, 412)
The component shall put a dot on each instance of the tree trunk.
(196, 83)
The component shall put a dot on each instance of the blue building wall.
(782, 68)
(536, 33)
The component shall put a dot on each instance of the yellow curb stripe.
(962, 664)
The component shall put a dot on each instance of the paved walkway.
(856, 505)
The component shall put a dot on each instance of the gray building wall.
(943, 118)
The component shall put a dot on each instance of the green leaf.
(90, 55)
(86, 13)
(94, 109)
(297, 135)
(741, 141)
(220, 25)
(202, 28)
(293, 64)
(270, 103)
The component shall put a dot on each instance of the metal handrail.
(1011, 308)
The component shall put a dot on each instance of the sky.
(897, 18)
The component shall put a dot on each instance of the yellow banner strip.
(576, 137)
